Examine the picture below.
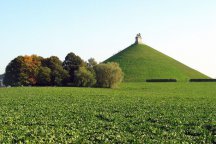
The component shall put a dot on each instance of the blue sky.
(182, 29)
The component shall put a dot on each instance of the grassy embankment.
(140, 62)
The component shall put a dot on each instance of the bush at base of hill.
(108, 75)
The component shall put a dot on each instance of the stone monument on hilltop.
(138, 39)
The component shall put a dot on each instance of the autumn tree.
(22, 71)
(30, 69)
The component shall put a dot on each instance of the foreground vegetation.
(134, 113)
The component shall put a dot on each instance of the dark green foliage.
(58, 73)
(72, 63)
(140, 62)
(108, 75)
(44, 76)
(13, 72)
(133, 113)
(161, 80)
(85, 77)
(51, 62)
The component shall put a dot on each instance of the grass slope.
(140, 62)
(134, 113)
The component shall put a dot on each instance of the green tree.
(108, 75)
(13, 72)
(72, 63)
(44, 76)
(84, 77)
(91, 62)
(58, 73)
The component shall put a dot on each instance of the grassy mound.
(140, 62)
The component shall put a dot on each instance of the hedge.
(202, 80)
(161, 80)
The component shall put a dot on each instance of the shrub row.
(174, 80)
(161, 80)
(202, 80)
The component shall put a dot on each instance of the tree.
(108, 75)
(91, 62)
(12, 73)
(58, 73)
(84, 77)
(30, 69)
(51, 62)
(44, 76)
(72, 63)
(22, 71)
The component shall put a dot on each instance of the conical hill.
(140, 62)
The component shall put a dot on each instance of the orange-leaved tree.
(22, 71)
(31, 66)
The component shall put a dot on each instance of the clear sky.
(182, 29)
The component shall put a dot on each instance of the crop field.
(133, 113)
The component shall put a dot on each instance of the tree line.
(73, 71)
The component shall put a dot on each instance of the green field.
(134, 113)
